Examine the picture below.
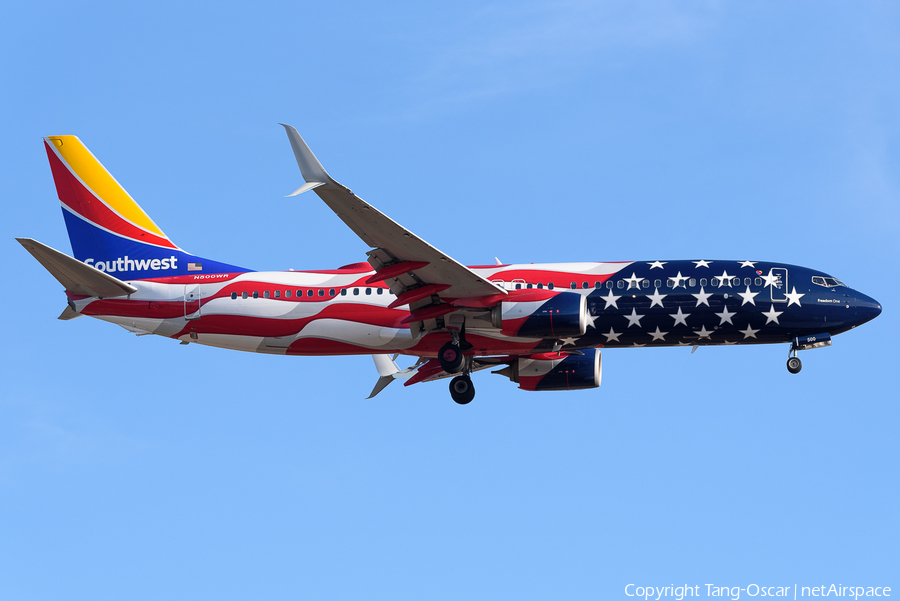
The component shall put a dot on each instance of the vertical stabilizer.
(107, 228)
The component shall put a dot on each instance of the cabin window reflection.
(287, 294)
(244, 294)
(692, 282)
(266, 294)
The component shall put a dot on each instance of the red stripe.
(77, 197)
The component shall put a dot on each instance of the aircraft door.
(780, 288)
(192, 301)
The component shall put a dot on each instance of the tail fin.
(107, 228)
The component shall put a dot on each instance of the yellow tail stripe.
(98, 179)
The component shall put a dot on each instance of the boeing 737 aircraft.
(540, 325)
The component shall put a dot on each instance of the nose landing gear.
(794, 365)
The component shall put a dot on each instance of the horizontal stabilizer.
(68, 313)
(75, 276)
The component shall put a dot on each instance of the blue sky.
(137, 468)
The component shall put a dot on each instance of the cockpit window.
(827, 282)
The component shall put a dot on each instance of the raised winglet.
(310, 167)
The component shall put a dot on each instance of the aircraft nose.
(867, 308)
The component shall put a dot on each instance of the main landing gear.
(461, 389)
(453, 361)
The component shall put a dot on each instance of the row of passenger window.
(310, 292)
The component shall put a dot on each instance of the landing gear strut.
(793, 363)
(453, 361)
(461, 389)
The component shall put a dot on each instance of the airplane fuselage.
(631, 304)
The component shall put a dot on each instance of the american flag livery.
(543, 326)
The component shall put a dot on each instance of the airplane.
(543, 326)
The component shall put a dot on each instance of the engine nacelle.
(557, 371)
(562, 316)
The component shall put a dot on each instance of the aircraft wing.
(401, 259)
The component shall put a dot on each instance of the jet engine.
(562, 316)
(556, 371)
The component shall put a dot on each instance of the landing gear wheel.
(461, 390)
(794, 366)
(451, 358)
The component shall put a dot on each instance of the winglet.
(388, 372)
(310, 167)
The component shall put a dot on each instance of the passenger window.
(287, 294)
(233, 295)
(702, 281)
(736, 282)
(266, 294)
(244, 294)
(758, 281)
(529, 286)
(657, 283)
(584, 285)
(309, 292)
(715, 282)
(550, 286)
(573, 285)
(620, 284)
(609, 284)
(379, 290)
(331, 292)
(670, 283)
(645, 284)
(256, 294)
(278, 294)
(356, 292)
(343, 292)
(692, 282)
(598, 284)
(299, 293)
(746, 281)
(518, 286)
(368, 291)
(321, 292)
